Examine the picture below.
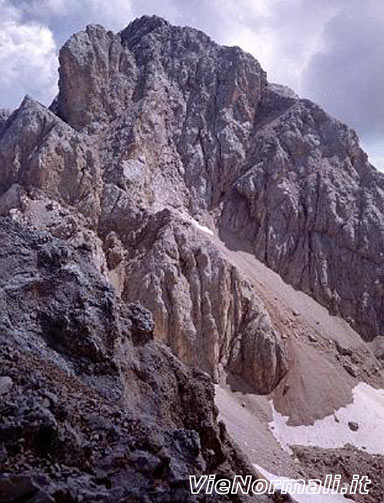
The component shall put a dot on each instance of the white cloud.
(283, 35)
(28, 59)
(65, 17)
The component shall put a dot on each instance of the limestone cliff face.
(128, 155)
(93, 409)
(158, 139)
(176, 102)
(160, 117)
(202, 307)
(187, 123)
(312, 208)
(39, 151)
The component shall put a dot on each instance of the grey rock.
(235, 150)
(309, 203)
(101, 265)
(22, 488)
(202, 307)
(275, 169)
(6, 384)
(353, 370)
(353, 426)
(4, 116)
(11, 199)
(343, 350)
(39, 151)
(95, 393)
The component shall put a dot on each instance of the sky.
(330, 51)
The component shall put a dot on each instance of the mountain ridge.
(164, 158)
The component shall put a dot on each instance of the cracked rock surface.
(92, 408)
(116, 302)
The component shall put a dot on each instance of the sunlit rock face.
(189, 123)
(157, 123)
(154, 118)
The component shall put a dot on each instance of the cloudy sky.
(331, 51)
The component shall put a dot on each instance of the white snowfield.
(304, 498)
(367, 410)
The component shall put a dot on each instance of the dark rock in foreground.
(92, 408)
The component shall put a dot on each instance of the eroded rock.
(98, 411)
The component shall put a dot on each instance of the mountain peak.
(146, 23)
(140, 27)
(111, 72)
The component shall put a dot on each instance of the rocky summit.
(191, 271)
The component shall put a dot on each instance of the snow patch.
(201, 227)
(367, 410)
(196, 224)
